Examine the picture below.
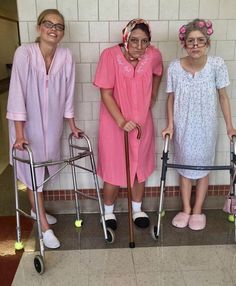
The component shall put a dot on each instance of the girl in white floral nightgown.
(194, 84)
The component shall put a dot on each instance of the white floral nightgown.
(195, 113)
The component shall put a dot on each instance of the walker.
(77, 152)
(155, 232)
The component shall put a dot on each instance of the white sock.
(108, 209)
(136, 206)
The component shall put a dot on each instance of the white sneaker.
(50, 240)
(51, 219)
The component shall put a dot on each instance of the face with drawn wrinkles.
(138, 42)
(196, 44)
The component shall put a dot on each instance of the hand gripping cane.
(131, 230)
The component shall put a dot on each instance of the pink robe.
(132, 90)
(42, 101)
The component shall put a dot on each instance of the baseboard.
(149, 204)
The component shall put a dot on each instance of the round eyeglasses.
(136, 42)
(192, 42)
(49, 25)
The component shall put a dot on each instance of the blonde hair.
(42, 16)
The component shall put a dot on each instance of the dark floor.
(9, 258)
(7, 196)
(90, 235)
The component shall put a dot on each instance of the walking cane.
(131, 229)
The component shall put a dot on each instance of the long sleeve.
(16, 108)
(70, 87)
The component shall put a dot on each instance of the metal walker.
(155, 232)
(77, 152)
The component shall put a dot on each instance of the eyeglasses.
(50, 25)
(192, 42)
(136, 42)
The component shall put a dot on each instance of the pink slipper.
(181, 220)
(197, 222)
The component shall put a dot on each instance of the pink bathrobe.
(132, 90)
(42, 101)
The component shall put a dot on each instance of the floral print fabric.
(195, 113)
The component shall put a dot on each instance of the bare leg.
(138, 191)
(110, 193)
(186, 189)
(201, 190)
(181, 220)
(43, 220)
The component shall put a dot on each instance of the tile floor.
(178, 257)
(165, 266)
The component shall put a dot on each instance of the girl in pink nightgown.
(128, 76)
(40, 97)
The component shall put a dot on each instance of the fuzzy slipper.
(141, 219)
(197, 222)
(181, 220)
(110, 220)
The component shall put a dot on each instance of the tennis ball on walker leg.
(19, 245)
(231, 218)
(78, 223)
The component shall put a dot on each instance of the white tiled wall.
(92, 25)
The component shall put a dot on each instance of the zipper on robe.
(46, 116)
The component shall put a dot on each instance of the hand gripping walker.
(155, 232)
(76, 153)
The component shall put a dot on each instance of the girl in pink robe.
(40, 97)
(128, 76)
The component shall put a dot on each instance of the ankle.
(44, 229)
(108, 209)
(45, 226)
(197, 211)
(136, 206)
(187, 210)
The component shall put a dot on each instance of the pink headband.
(129, 28)
(200, 24)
